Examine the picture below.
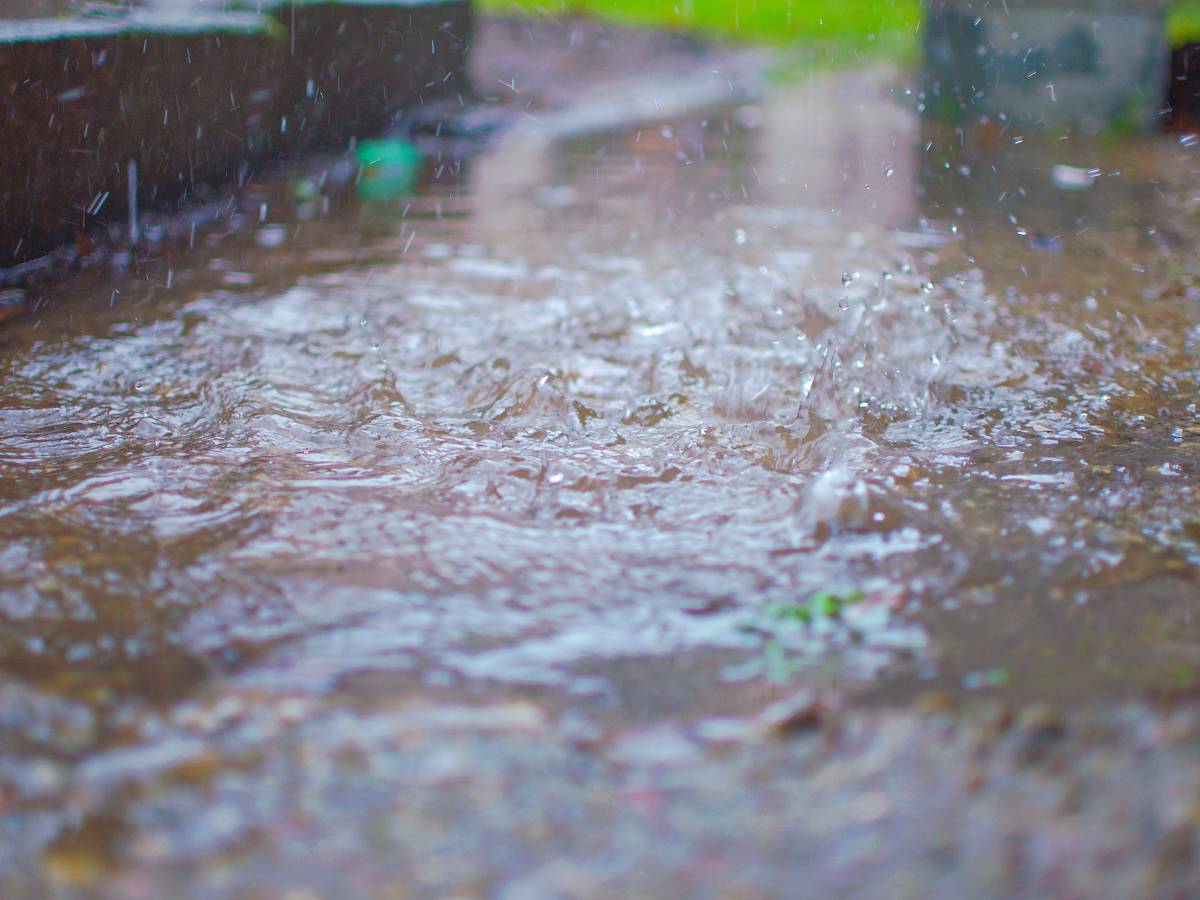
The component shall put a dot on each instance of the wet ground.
(779, 497)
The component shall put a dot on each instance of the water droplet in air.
(739, 237)
(847, 279)
(271, 237)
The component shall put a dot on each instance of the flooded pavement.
(788, 495)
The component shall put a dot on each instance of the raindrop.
(739, 237)
(271, 236)
(889, 171)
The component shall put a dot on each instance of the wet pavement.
(780, 496)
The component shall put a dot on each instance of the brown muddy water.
(449, 541)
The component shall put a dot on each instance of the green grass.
(888, 25)
(767, 21)
(1183, 23)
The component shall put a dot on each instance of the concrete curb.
(103, 115)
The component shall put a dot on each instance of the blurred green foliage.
(1183, 22)
(890, 24)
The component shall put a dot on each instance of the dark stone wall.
(1185, 87)
(197, 107)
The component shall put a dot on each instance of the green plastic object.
(389, 169)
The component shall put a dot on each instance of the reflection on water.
(554, 416)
